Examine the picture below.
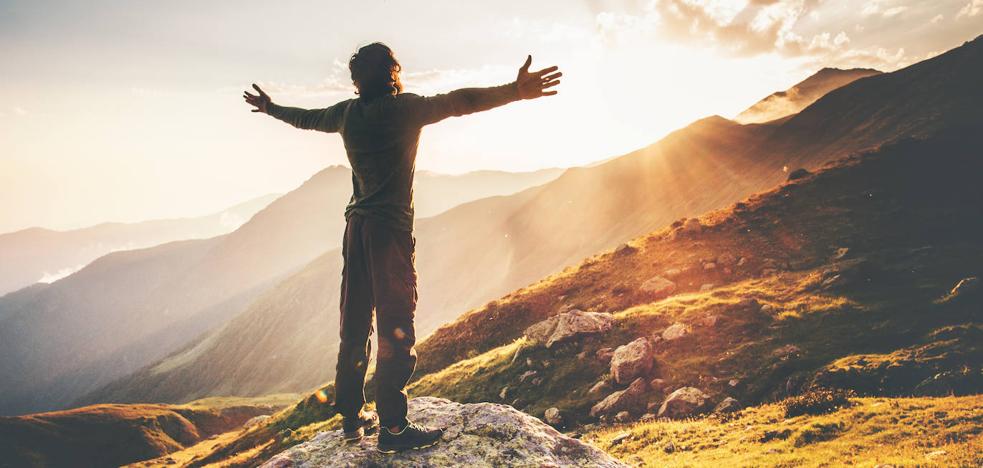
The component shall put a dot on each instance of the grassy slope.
(111, 435)
(896, 431)
(906, 248)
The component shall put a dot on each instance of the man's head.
(375, 71)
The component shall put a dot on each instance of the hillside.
(840, 279)
(43, 255)
(705, 166)
(113, 435)
(785, 103)
(131, 308)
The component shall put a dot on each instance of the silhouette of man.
(381, 130)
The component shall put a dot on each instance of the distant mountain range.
(286, 339)
(43, 255)
(129, 308)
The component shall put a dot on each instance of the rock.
(546, 364)
(537, 381)
(709, 266)
(769, 309)
(480, 434)
(657, 384)
(733, 382)
(786, 351)
(652, 407)
(604, 355)
(631, 398)
(675, 331)
(706, 287)
(742, 261)
(504, 393)
(257, 420)
(632, 360)
(553, 417)
(620, 438)
(748, 303)
(840, 253)
(624, 249)
(709, 321)
(529, 362)
(727, 259)
(599, 388)
(799, 173)
(686, 401)
(622, 417)
(658, 286)
(692, 226)
(647, 417)
(527, 375)
(567, 326)
(728, 405)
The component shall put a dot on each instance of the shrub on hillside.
(817, 401)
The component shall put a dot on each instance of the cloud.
(973, 8)
(938, 18)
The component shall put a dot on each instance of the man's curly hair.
(375, 71)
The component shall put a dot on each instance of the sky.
(132, 110)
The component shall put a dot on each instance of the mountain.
(289, 336)
(43, 255)
(791, 101)
(130, 308)
(861, 277)
(114, 435)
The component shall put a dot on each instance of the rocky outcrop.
(476, 435)
(629, 399)
(632, 360)
(686, 401)
(567, 326)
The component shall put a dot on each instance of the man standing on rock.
(381, 130)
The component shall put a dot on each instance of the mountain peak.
(784, 103)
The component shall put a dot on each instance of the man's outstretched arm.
(527, 85)
(324, 120)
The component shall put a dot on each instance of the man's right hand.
(261, 101)
(535, 84)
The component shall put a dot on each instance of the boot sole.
(404, 449)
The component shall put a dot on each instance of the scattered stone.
(604, 355)
(706, 287)
(529, 362)
(669, 448)
(537, 381)
(527, 375)
(799, 173)
(624, 249)
(568, 326)
(728, 405)
(692, 226)
(599, 388)
(733, 382)
(466, 442)
(553, 417)
(622, 417)
(628, 399)
(620, 438)
(727, 259)
(686, 401)
(546, 364)
(257, 420)
(658, 286)
(675, 331)
(742, 261)
(632, 360)
(709, 321)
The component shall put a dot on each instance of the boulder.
(658, 286)
(567, 326)
(692, 225)
(480, 434)
(632, 360)
(657, 384)
(675, 331)
(553, 417)
(622, 417)
(599, 388)
(686, 401)
(629, 399)
(604, 355)
(728, 405)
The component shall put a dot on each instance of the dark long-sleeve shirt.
(381, 136)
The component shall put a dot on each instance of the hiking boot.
(411, 437)
(354, 428)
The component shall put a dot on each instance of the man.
(381, 130)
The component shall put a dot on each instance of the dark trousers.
(379, 274)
